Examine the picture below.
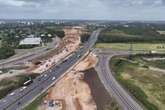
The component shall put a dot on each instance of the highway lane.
(29, 56)
(113, 87)
(42, 83)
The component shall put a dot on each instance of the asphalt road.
(113, 87)
(20, 98)
(29, 56)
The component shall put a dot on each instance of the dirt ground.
(102, 98)
(67, 46)
(73, 90)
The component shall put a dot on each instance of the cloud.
(134, 2)
(12, 2)
(83, 9)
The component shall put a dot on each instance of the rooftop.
(31, 41)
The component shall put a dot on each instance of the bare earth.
(67, 45)
(72, 89)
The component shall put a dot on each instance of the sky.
(83, 9)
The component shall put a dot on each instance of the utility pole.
(131, 50)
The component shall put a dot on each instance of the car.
(12, 93)
(50, 70)
(78, 56)
(4, 101)
(53, 78)
(42, 75)
(19, 103)
(28, 82)
(65, 61)
(47, 65)
(45, 75)
(39, 79)
(23, 88)
(11, 72)
(41, 88)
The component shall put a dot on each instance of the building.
(31, 41)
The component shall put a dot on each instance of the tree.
(9, 40)
(6, 52)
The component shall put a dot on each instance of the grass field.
(146, 85)
(131, 35)
(136, 46)
(116, 32)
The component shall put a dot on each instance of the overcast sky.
(83, 9)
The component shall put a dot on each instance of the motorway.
(105, 74)
(20, 98)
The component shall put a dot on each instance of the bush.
(60, 34)
(6, 52)
(104, 38)
(26, 46)
(6, 90)
(84, 37)
(132, 34)
(53, 31)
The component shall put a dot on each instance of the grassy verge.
(145, 85)
(135, 47)
(158, 63)
(35, 103)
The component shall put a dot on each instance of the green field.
(160, 47)
(131, 34)
(146, 85)
(116, 32)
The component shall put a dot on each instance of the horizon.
(1, 19)
(141, 10)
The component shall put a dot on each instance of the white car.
(4, 101)
(53, 78)
(45, 75)
(23, 88)
(78, 56)
(12, 93)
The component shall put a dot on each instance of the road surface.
(20, 98)
(113, 87)
(28, 56)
